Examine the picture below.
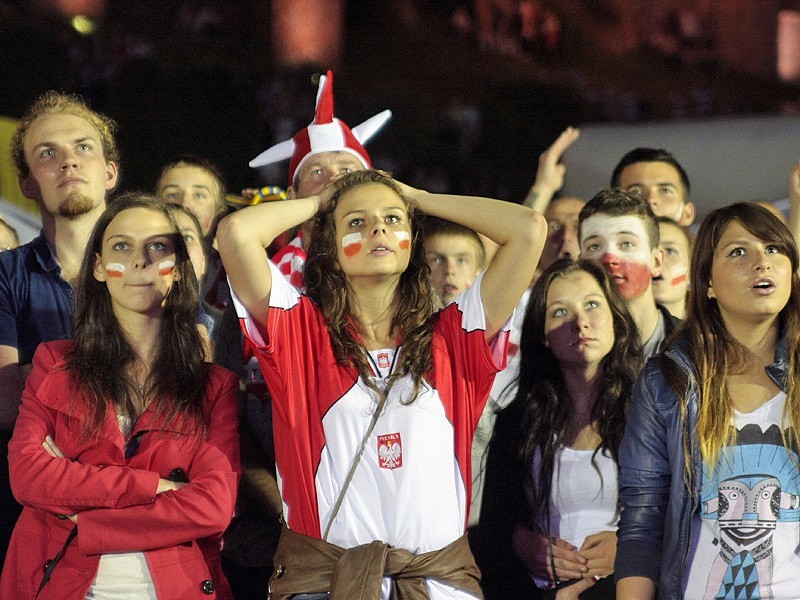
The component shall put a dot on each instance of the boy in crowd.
(618, 229)
(455, 255)
(197, 185)
(660, 179)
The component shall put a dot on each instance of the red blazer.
(115, 498)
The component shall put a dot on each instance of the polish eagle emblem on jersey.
(390, 451)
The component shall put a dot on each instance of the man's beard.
(75, 205)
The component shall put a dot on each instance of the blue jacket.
(657, 504)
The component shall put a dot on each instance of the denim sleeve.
(644, 482)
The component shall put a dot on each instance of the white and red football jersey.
(411, 488)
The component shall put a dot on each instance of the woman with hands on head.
(376, 395)
(125, 453)
(550, 501)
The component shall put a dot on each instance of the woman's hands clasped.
(557, 560)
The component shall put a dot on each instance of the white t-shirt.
(583, 501)
(747, 531)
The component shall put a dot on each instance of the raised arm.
(794, 202)
(550, 174)
(518, 231)
(243, 237)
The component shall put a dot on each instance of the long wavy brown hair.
(539, 418)
(414, 303)
(102, 353)
(713, 351)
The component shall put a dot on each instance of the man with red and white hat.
(327, 147)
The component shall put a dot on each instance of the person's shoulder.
(220, 376)
(23, 260)
(51, 362)
(663, 376)
(466, 309)
(57, 349)
(654, 366)
(18, 255)
(671, 322)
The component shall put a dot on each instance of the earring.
(101, 277)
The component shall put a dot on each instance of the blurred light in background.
(71, 8)
(307, 32)
(83, 25)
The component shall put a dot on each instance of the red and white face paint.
(670, 287)
(351, 244)
(404, 239)
(137, 261)
(166, 267)
(372, 226)
(622, 246)
(115, 269)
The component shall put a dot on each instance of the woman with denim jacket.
(709, 482)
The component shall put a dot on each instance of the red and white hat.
(325, 134)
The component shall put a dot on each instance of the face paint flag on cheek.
(351, 243)
(404, 239)
(114, 269)
(166, 267)
(678, 280)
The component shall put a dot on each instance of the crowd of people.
(360, 388)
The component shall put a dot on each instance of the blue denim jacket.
(657, 505)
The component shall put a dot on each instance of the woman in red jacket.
(125, 451)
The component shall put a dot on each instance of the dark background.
(472, 108)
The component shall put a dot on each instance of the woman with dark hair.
(376, 395)
(550, 501)
(125, 451)
(709, 483)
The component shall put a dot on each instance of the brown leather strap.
(356, 459)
